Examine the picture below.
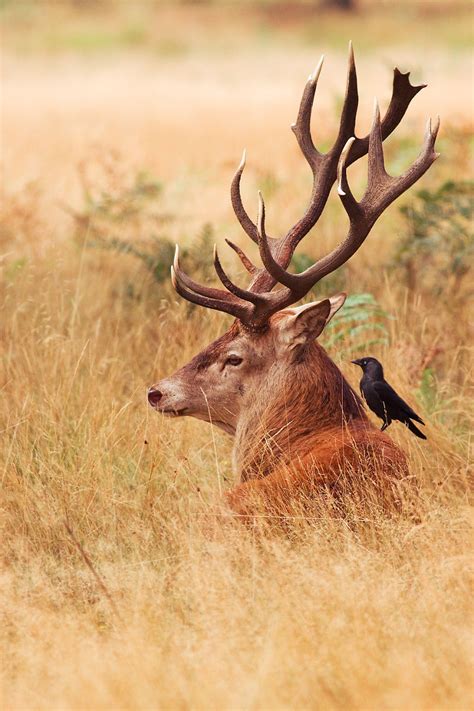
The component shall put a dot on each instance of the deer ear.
(305, 323)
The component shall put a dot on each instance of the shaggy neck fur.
(293, 408)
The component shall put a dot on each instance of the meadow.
(122, 125)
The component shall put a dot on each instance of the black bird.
(382, 398)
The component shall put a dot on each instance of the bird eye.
(233, 360)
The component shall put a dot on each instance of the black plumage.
(382, 398)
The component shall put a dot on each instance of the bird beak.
(356, 362)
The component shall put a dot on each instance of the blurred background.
(177, 90)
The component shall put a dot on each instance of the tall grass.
(361, 614)
(124, 584)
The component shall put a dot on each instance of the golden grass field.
(366, 612)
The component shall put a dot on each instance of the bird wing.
(391, 398)
(373, 399)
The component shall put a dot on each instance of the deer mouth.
(173, 413)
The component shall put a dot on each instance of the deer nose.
(154, 396)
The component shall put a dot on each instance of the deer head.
(268, 362)
(222, 380)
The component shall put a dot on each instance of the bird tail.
(413, 428)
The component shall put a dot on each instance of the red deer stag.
(297, 423)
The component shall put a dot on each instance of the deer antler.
(254, 306)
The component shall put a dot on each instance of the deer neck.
(295, 406)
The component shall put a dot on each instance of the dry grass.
(368, 612)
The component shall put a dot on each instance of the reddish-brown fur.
(328, 440)
(299, 427)
(334, 458)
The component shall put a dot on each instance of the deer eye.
(233, 360)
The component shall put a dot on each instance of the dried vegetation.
(120, 589)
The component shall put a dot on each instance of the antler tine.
(250, 267)
(271, 265)
(205, 295)
(302, 126)
(236, 199)
(376, 162)
(402, 94)
(403, 91)
(230, 308)
(189, 283)
(376, 200)
(233, 288)
(343, 189)
(350, 105)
